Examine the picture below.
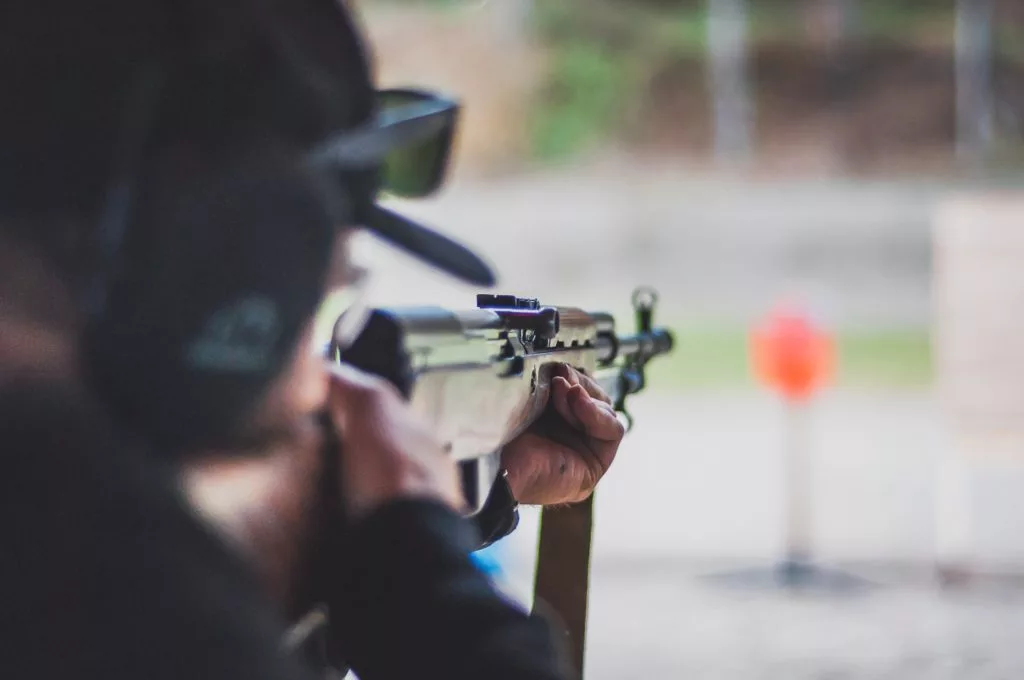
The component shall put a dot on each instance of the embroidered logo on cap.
(239, 338)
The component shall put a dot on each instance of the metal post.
(843, 17)
(513, 19)
(974, 108)
(797, 489)
(732, 109)
(953, 519)
(836, 27)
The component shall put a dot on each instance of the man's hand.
(388, 452)
(561, 458)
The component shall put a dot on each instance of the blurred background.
(860, 159)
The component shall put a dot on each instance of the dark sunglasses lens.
(418, 169)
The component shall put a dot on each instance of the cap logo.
(239, 338)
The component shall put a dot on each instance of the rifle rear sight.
(523, 314)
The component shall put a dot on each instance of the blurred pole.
(954, 519)
(974, 107)
(797, 492)
(728, 57)
(843, 15)
(830, 22)
(833, 25)
(513, 18)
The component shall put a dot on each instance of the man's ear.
(295, 395)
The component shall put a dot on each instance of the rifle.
(481, 376)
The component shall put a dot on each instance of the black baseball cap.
(298, 67)
(217, 147)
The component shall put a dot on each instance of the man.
(176, 180)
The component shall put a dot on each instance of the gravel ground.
(659, 621)
(697, 494)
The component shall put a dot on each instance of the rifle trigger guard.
(624, 416)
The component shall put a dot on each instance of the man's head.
(186, 168)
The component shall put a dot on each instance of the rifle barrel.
(641, 345)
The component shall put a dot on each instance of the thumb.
(349, 391)
(347, 378)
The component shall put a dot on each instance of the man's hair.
(71, 69)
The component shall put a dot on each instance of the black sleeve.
(500, 515)
(105, 573)
(414, 605)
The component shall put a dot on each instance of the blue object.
(488, 560)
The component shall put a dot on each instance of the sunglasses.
(406, 146)
(408, 143)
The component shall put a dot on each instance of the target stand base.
(794, 575)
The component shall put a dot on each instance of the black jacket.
(108, 575)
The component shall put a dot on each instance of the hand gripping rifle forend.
(620, 360)
(481, 375)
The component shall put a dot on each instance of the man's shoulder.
(73, 473)
(75, 483)
(107, 562)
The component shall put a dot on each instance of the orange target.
(791, 354)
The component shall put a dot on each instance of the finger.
(338, 388)
(350, 378)
(344, 382)
(593, 388)
(352, 392)
(576, 377)
(596, 419)
(563, 370)
(560, 390)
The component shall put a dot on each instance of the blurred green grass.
(710, 358)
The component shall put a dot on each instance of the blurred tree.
(728, 50)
